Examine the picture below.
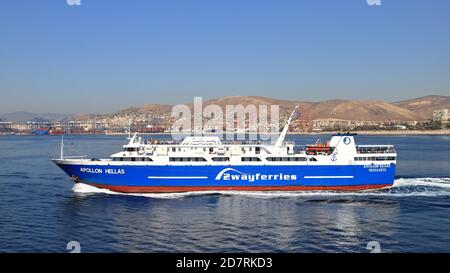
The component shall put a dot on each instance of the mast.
(62, 147)
(280, 139)
(129, 128)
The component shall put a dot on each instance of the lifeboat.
(319, 148)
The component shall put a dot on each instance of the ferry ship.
(206, 163)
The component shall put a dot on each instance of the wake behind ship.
(208, 164)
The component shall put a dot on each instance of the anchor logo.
(347, 140)
(333, 157)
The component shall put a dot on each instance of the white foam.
(425, 182)
(402, 187)
(81, 188)
(85, 188)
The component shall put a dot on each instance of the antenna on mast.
(280, 139)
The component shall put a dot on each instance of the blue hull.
(195, 178)
(40, 132)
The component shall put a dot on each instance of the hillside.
(286, 106)
(424, 106)
(149, 108)
(335, 109)
(360, 110)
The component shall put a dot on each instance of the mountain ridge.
(362, 110)
(25, 116)
(419, 109)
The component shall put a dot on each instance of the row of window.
(186, 159)
(211, 150)
(134, 159)
(243, 159)
(220, 159)
(286, 159)
(375, 150)
(204, 149)
(246, 159)
(375, 158)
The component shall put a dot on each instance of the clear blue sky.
(109, 54)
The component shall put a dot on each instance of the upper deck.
(211, 150)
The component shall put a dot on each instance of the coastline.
(377, 132)
(386, 132)
(405, 132)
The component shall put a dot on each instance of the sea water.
(41, 210)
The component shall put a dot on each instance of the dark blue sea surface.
(41, 210)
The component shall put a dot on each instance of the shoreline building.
(441, 115)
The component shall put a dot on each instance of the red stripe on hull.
(168, 189)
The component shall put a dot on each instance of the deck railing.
(375, 149)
